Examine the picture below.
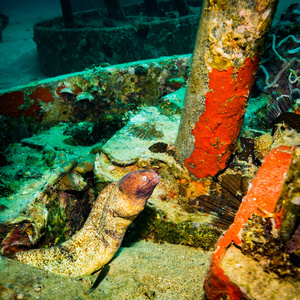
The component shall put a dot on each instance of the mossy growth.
(56, 228)
(152, 225)
(261, 242)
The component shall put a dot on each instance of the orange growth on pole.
(219, 126)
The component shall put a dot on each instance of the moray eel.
(95, 244)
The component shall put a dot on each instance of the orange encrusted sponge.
(260, 199)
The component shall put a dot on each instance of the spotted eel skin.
(99, 239)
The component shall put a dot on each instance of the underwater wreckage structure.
(218, 176)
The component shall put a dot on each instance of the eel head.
(138, 186)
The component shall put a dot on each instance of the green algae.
(152, 224)
(56, 228)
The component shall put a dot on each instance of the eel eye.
(144, 177)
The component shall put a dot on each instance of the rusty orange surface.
(263, 195)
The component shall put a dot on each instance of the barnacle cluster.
(145, 131)
(261, 241)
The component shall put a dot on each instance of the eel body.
(99, 239)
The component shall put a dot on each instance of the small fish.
(101, 276)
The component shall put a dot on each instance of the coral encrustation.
(218, 127)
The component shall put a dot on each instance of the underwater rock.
(158, 147)
(73, 179)
(141, 131)
(45, 200)
(273, 189)
(20, 238)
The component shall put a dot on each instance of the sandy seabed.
(143, 271)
